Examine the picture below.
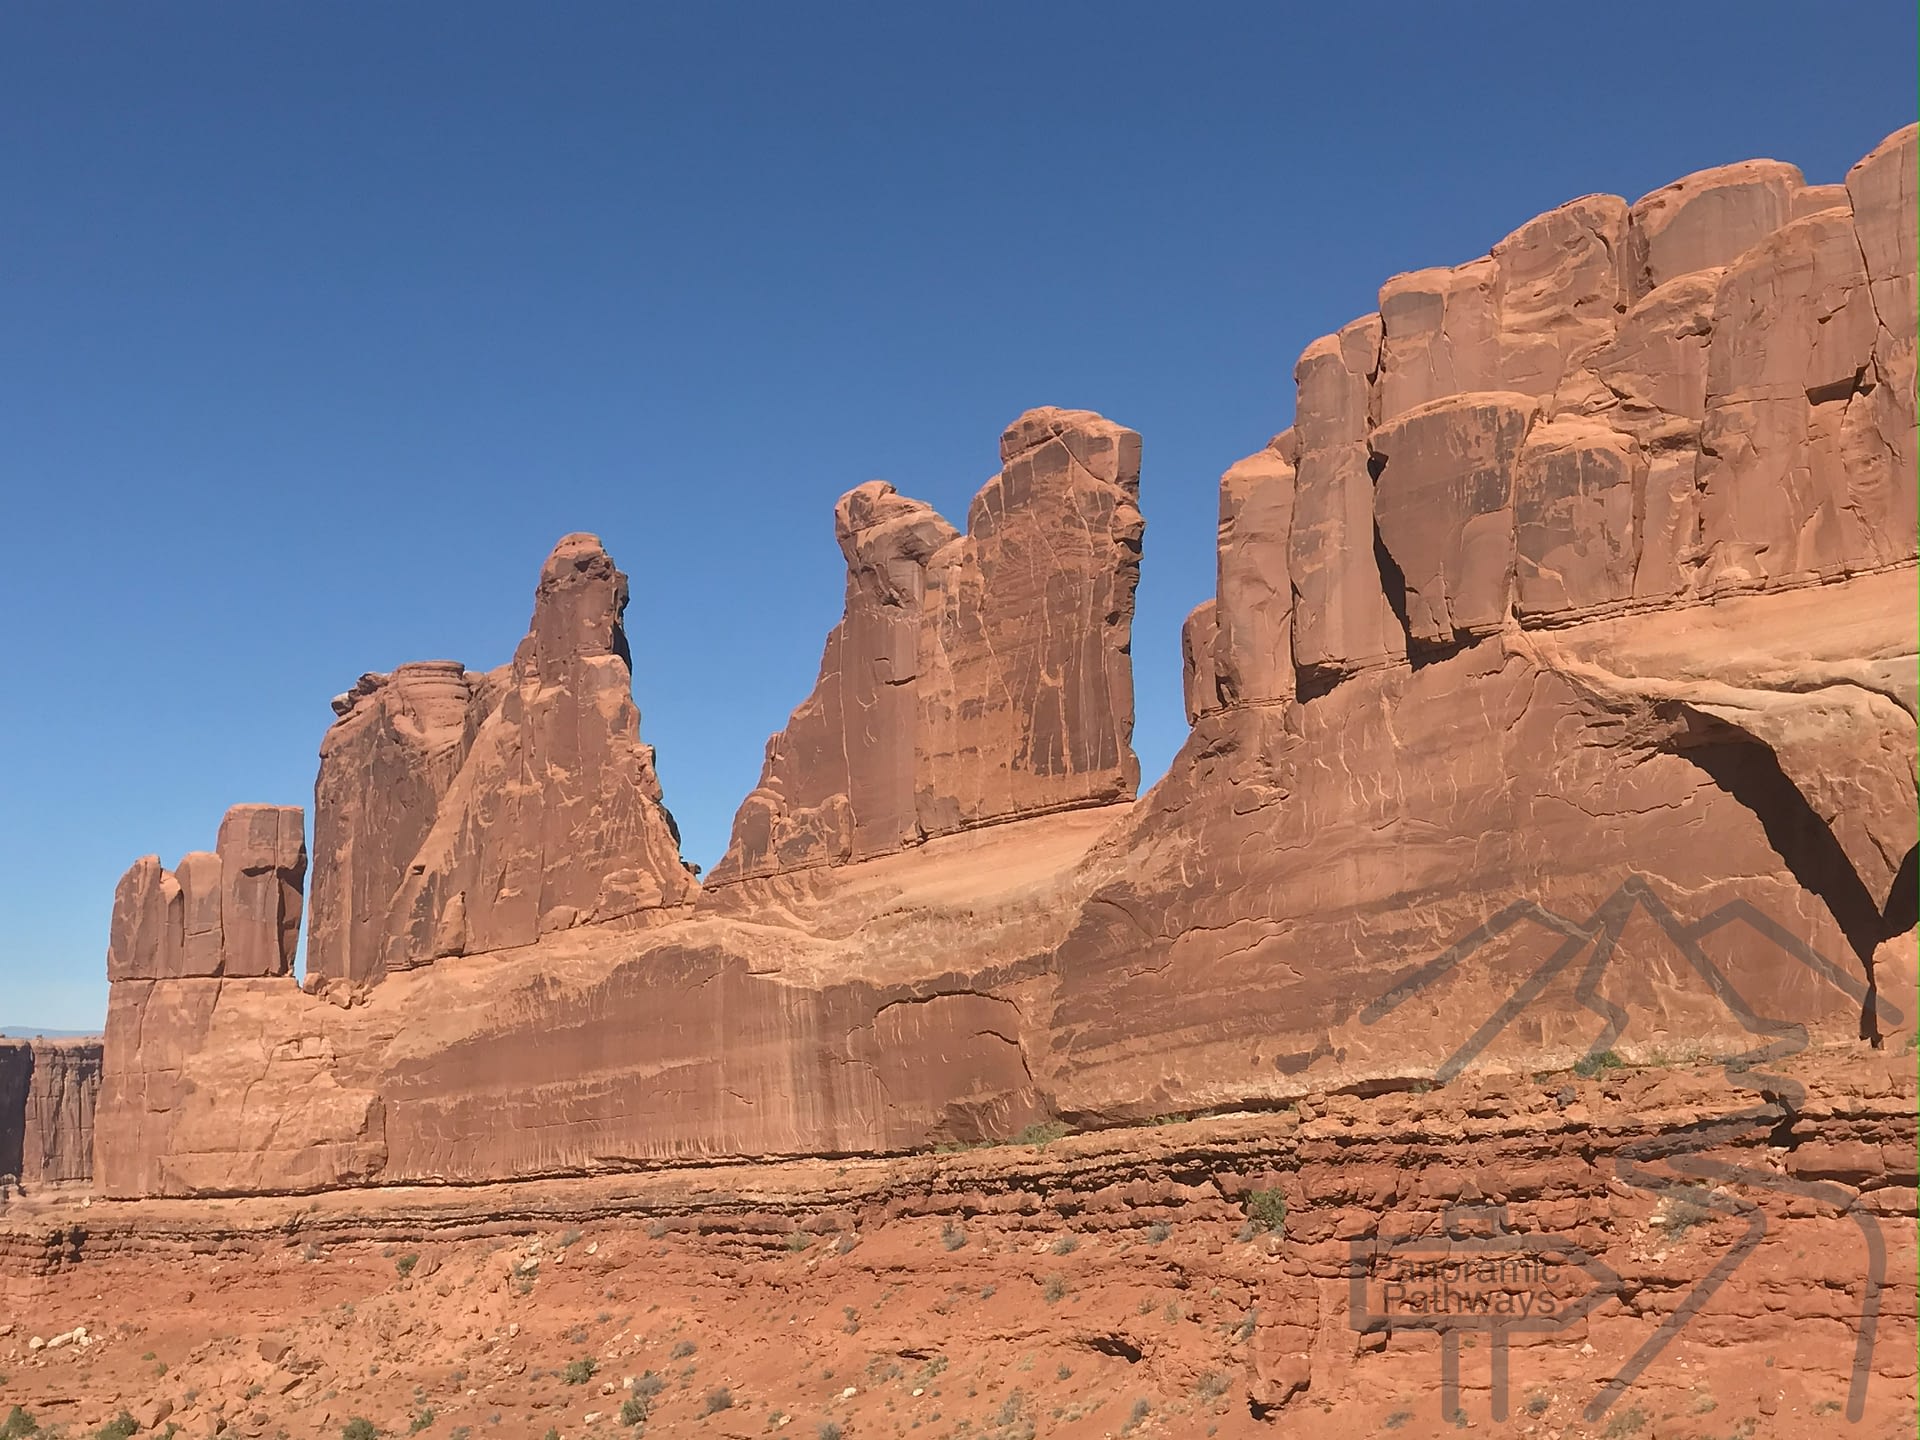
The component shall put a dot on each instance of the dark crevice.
(1116, 1345)
(1310, 682)
(1749, 773)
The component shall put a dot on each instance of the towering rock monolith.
(973, 678)
(459, 813)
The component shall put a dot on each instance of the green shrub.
(1588, 1066)
(579, 1372)
(633, 1410)
(1268, 1210)
(718, 1399)
(18, 1425)
(359, 1428)
(121, 1427)
(1043, 1134)
(420, 1421)
(404, 1265)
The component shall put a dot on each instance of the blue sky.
(322, 322)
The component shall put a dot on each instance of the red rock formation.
(232, 912)
(458, 813)
(973, 678)
(1545, 454)
(1583, 581)
(48, 1091)
(385, 765)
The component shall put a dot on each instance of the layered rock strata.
(973, 678)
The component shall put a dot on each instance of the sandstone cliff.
(974, 678)
(48, 1093)
(458, 813)
(1556, 701)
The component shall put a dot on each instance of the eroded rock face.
(385, 765)
(232, 911)
(458, 813)
(48, 1093)
(1576, 606)
(974, 678)
(1634, 517)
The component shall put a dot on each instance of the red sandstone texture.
(457, 814)
(1493, 625)
(1555, 710)
(1094, 1285)
(48, 1093)
(974, 678)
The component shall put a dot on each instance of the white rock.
(36, 1343)
(849, 1392)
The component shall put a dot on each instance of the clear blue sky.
(320, 323)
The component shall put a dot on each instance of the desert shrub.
(421, 1420)
(404, 1265)
(648, 1385)
(683, 1348)
(18, 1425)
(952, 1236)
(1043, 1134)
(1141, 1409)
(1684, 1211)
(1267, 1209)
(633, 1410)
(1054, 1289)
(121, 1427)
(719, 1398)
(1212, 1386)
(1066, 1244)
(569, 1239)
(1159, 1230)
(799, 1240)
(579, 1372)
(1588, 1066)
(359, 1428)
(829, 1430)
